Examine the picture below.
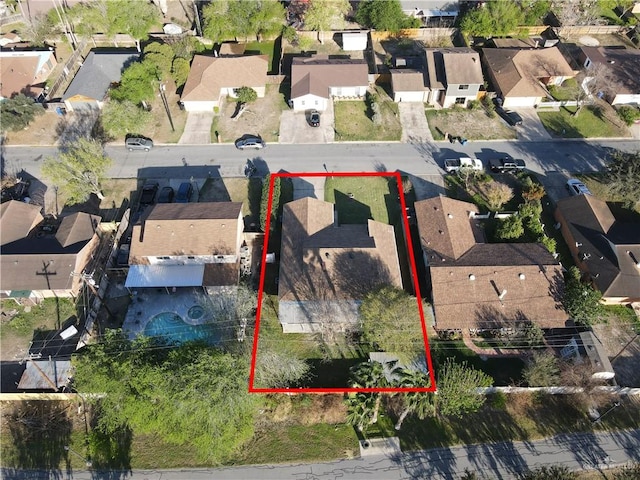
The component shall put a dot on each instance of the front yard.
(594, 121)
(354, 121)
(470, 124)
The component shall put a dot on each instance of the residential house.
(430, 11)
(99, 71)
(187, 245)
(326, 269)
(520, 77)
(316, 80)
(38, 263)
(623, 65)
(586, 347)
(447, 77)
(211, 78)
(25, 71)
(479, 286)
(606, 250)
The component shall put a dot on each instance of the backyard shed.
(354, 41)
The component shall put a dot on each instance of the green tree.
(268, 20)
(510, 228)
(532, 191)
(138, 83)
(581, 301)
(391, 322)
(360, 410)
(494, 19)
(623, 177)
(79, 170)
(323, 14)
(18, 112)
(132, 17)
(264, 202)
(217, 25)
(542, 370)
(384, 15)
(88, 18)
(239, 16)
(180, 71)
(246, 94)
(457, 384)
(120, 118)
(421, 404)
(161, 55)
(554, 472)
(535, 11)
(370, 375)
(192, 395)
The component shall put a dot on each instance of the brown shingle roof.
(187, 229)
(446, 227)
(17, 219)
(407, 80)
(456, 65)
(316, 75)
(518, 72)
(321, 261)
(623, 63)
(77, 227)
(209, 74)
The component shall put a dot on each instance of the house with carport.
(212, 78)
(606, 250)
(477, 286)
(317, 80)
(187, 245)
(327, 268)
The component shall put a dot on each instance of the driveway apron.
(531, 128)
(414, 122)
(197, 130)
(294, 127)
(308, 187)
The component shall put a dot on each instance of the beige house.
(38, 263)
(480, 286)
(212, 78)
(521, 76)
(604, 249)
(316, 80)
(326, 268)
(187, 245)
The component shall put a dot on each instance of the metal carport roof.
(142, 276)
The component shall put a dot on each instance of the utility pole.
(196, 15)
(166, 105)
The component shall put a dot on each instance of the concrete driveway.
(414, 123)
(197, 130)
(531, 128)
(294, 127)
(308, 187)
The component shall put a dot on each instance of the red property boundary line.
(414, 273)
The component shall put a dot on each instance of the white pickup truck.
(455, 164)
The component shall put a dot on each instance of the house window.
(460, 100)
(463, 87)
(302, 103)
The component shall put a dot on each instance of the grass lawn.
(353, 123)
(470, 124)
(590, 123)
(564, 91)
(268, 47)
(358, 199)
(595, 182)
(247, 191)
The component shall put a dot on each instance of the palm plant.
(370, 375)
(420, 404)
(360, 410)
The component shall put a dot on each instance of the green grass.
(564, 91)
(590, 123)
(48, 315)
(265, 48)
(358, 199)
(596, 183)
(352, 122)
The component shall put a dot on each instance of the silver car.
(138, 143)
(576, 187)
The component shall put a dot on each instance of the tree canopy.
(132, 17)
(138, 83)
(190, 395)
(492, 19)
(457, 384)
(18, 112)
(384, 15)
(120, 118)
(79, 170)
(391, 322)
(323, 14)
(228, 20)
(581, 301)
(623, 177)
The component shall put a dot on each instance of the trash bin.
(463, 141)
(61, 110)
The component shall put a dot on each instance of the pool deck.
(150, 302)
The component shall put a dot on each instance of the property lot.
(295, 128)
(353, 121)
(469, 124)
(261, 117)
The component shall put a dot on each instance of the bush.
(289, 34)
(489, 107)
(628, 114)
(548, 243)
(498, 401)
(510, 228)
(473, 104)
(246, 94)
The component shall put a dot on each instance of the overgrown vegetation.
(384, 15)
(581, 300)
(18, 112)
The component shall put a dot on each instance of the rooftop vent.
(502, 295)
(472, 277)
(449, 215)
(521, 276)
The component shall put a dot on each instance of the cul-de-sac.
(320, 239)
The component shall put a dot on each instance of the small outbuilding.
(354, 41)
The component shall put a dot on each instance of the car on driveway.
(314, 118)
(185, 190)
(576, 187)
(509, 116)
(250, 141)
(166, 195)
(138, 143)
(148, 194)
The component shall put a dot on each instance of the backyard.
(470, 124)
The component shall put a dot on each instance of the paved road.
(583, 451)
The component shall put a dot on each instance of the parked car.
(185, 190)
(166, 195)
(506, 164)
(576, 187)
(314, 118)
(138, 143)
(148, 194)
(250, 141)
(454, 164)
(509, 116)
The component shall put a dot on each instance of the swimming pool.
(170, 326)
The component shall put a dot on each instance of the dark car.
(509, 116)
(250, 141)
(166, 195)
(314, 118)
(148, 194)
(138, 143)
(184, 193)
(506, 164)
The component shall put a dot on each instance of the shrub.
(510, 228)
(246, 94)
(289, 34)
(628, 114)
(489, 107)
(549, 243)
(473, 104)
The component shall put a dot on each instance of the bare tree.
(497, 194)
(576, 12)
(598, 80)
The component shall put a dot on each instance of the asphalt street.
(504, 460)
